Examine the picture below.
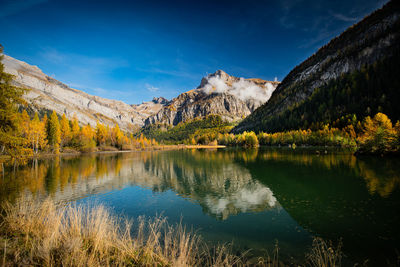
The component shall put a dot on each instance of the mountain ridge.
(373, 39)
(50, 94)
(218, 93)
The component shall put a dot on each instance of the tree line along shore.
(23, 135)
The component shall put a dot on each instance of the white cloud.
(242, 89)
(247, 198)
(151, 88)
(215, 85)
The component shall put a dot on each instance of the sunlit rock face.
(49, 94)
(220, 94)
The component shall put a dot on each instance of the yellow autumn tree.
(65, 131)
(378, 135)
(44, 120)
(24, 124)
(154, 142)
(86, 139)
(117, 137)
(101, 134)
(11, 142)
(54, 132)
(75, 132)
(38, 137)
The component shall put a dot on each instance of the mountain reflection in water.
(256, 196)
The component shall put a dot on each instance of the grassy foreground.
(43, 233)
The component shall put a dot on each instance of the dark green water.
(253, 198)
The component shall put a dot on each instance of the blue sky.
(134, 50)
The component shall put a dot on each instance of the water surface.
(253, 198)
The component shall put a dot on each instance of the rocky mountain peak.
(219, 74)
(160, 100)
(219, 93)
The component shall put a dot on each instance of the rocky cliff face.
(48, 93)
(375, 38)
(219, 93)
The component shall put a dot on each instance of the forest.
(371, 90)
(376, 135)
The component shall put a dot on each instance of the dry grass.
(323, 254)
(45, 234)
(42, 233)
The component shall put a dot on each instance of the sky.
(136, 50)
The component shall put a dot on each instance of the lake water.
(253, 198)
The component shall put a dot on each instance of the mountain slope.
(355, 73)
(219, 94)
(49, 94)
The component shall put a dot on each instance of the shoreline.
(77, 153)
(319, 150)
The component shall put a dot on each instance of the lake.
(253, 198)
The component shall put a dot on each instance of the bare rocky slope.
(49, 94)
(372, 40)
(219, 94)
